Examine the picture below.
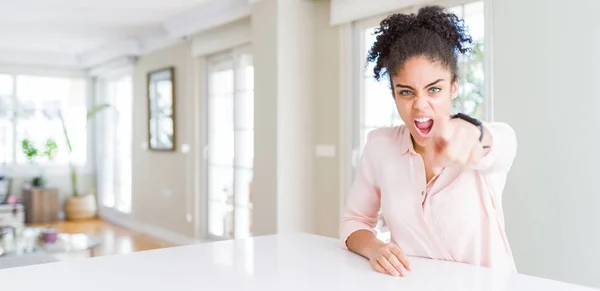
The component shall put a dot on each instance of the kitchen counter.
(281, 262)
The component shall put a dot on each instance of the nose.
(421, 103)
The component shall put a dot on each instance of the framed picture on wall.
(161, 109)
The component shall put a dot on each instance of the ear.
(454, 88)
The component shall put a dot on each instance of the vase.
(81, 207)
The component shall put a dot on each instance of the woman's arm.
(503, 148)
(357, 228)
(363, 242)
(363, 200)
(456, 141)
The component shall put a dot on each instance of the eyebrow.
(429, 85)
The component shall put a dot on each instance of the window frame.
(24, 170)
(101, 84)
(232, 55)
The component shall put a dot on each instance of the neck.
(419, 149)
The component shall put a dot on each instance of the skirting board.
(128, 222)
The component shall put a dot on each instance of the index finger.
(442, 129)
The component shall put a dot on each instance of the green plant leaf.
(50, 149)
(94, 110)
(64, 126)
(90, 114)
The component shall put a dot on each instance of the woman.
(439, 178)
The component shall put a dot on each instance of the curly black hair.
(433, 33)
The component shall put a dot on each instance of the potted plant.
(78, 205)
(31, 152)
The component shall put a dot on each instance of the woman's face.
(423, 90)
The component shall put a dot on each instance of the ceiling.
(78, 27)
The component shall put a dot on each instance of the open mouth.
(423, 125)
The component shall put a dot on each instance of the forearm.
(362, 242)
(502, 142)
(487, 140)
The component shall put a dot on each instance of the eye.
(405, 93)
(434, 90)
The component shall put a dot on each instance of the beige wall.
(283, 47)
(264, 45)
(162, 180)
(296, 81)
(327, 122)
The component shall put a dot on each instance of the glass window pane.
(6, 141)
(6, 85)
(243, 181)
(40, 99)
(244, 142)
(6, 105)
(474, 20)
(75, 121)
(106, 186)
(221, 82)
(43, 87)
(123, 105)
(471, 70)
(458, 10)
(220, 219)
(220, 181)
(231, 144)
(220, 112)
(221, 148)
(220, 208)
(243, 221)
(243, 205)
(38, 131)
(114, 186)
(245, 110)
(245, 77)
(249, 75)
(379, 107)
(369, 40)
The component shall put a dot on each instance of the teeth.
(422, 119)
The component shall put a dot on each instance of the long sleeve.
(363, 200)
(503, 149)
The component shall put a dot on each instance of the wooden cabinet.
(41, 205)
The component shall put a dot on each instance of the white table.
(283, 262)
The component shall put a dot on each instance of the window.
(115, 137)
(230, 159)
(470, 67)
(29, 109)
(375, 105)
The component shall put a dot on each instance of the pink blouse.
(457, 216)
